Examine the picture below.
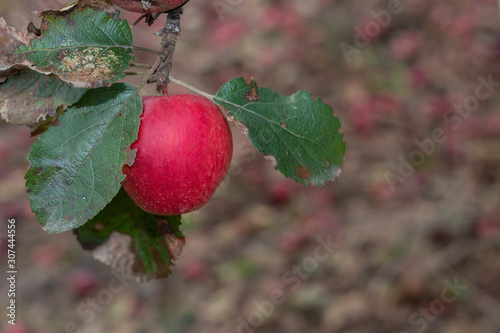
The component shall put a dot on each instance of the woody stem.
(171, 32)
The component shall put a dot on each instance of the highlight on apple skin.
(157, 6)
(184, 150)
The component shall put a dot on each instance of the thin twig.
(139, 65)
(144, 49)
(135, 73)
(149, 18)
(151, 71)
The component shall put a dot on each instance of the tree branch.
(171, 32)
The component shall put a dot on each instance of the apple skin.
(184, 149)
(158, 6)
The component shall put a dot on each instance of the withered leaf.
(86, 46)
(28, 98)
(10, 41)
(137, 244)
(41, 127)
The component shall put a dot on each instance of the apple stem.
(193, 89)
(213, 98)
(171, 32)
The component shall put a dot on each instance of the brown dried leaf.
(58, 48)
(10, 41)
(41, 127)
(117, 253)
(120, 253)
(29, 98)
(174, 242)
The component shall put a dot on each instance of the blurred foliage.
(400, 243)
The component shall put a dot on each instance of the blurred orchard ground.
(415, 214)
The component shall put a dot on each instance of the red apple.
(157, 6)
(184, 149)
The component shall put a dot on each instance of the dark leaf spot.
(303, 172)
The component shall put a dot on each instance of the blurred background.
(415, 215)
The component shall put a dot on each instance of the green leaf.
(155, 241)
(87, 48)
(30, 97)
(76, 167)
(299, 134)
